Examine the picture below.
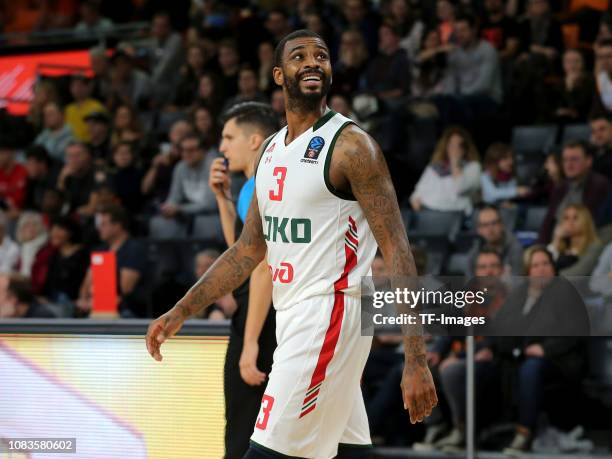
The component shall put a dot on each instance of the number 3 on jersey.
(266, 406)
(279, 173)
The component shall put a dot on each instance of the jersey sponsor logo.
(282, 274)
(296, 230)
(313, 150)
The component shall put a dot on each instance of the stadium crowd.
(495, 117)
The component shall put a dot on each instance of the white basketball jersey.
(318, 239)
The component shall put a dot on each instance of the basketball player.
(323, 201)
(252, 335)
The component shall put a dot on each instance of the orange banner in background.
(18, 74)
(104, 283)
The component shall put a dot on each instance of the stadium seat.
(162, 256)
(166, 228)
(208, 227)
(509, 216)
(436, 223)
(457, 263)
(580, 132)
(534, 216)
(436, 248)
(406, 216)
(528, 169)
(533, 140)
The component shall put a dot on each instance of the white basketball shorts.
(313, 399)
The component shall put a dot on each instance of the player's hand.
(162, 328)
(248, 365)
(218, 178)
(418, 390)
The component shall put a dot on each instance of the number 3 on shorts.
(266, 406)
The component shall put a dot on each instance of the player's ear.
(255, 141)
(277, 74)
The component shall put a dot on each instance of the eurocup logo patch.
(314, 148)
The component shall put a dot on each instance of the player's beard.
(298, 101)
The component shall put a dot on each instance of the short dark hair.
(256, 114)
(486, 250)
(467, 17)
(38, 153)
(280, 48)
(71, 226)
(21, 288)
(192, 136)
(278, 10)
(606, 42)
(80, 143)
(578, 144)
(118, 215)
(492, 207)
(601, 115)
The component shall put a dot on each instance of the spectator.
(315, 21)
(31, 235)
(44, 92)
(575, 94)
(601, 279)
(13, 180)
(581, 186)
(540, 33)
(83, 105)
(210, 93)
(429, 67)
(67, 265)
(247, 89)
(277, 24)
(410, 27)
(277, 102)
(498, 180)
(355, 16)
(190, 75)
(52, 204)
(77, 178)
(42, 174)
(445, 13)
(351, 64)
(189, 193)
(56, 134)
(500, 30)
(473, 66)
(21, 303)
(265, 54)
(452, 178)
(601, 141)
(129, 85)
(603, 75)
(493, 235)
(204, 125)
(543, 305)
(388, 73)
(548, 180)
(225, 306)
(340, 104)
(126, 177)
(98, 127)
(126, 127)
(158, 178)
(113, 224)
(92, 23)
(575, 246)
(487, 264)
(9, 250)
(166, 54)
(229, 63)
(98, 61)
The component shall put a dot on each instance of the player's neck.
(298, 121)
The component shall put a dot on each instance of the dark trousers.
(534, 374)
(242, 402)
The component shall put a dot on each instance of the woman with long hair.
(575, 245)
(126, 127)
(452, 178)
(498, 179)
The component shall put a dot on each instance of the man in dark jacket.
(581, 186)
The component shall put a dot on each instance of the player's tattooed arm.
(229, 271)
(358, 164)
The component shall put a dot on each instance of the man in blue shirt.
(252, 337)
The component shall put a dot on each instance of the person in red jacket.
(13, 179)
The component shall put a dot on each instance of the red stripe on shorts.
(335, 325)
